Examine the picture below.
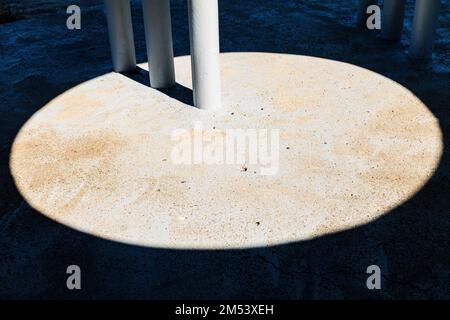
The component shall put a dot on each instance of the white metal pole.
(392, 19)
(205, 48)
(120, 29)
(424, 28)
(362, 16)
(158, 34)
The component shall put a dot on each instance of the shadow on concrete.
(411, 243)
(178, 91)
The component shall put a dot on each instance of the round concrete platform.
(352, 146)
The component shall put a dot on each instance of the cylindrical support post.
(120, 29)
(205, 48)
(362, 16)
(392, 19)
(424, 28)
(158, 34)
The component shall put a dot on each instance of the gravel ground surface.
(42, 59)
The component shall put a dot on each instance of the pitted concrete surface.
(352, 146)
(41, 60)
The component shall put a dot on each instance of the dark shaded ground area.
(41, 59)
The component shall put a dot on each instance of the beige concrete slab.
(353, 145)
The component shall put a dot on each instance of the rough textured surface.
(353, 145)
(41, 59)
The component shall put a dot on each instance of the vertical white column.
(204, 36)
(392, 19)
(120, 29)
(158, 35)
(362, 16)
(424, 28)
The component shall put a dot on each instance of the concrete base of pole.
(120, 30)
(158, 33)
(362, 16)
(392, 19)
(424, 28)
(205, 48)
(349, 152)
